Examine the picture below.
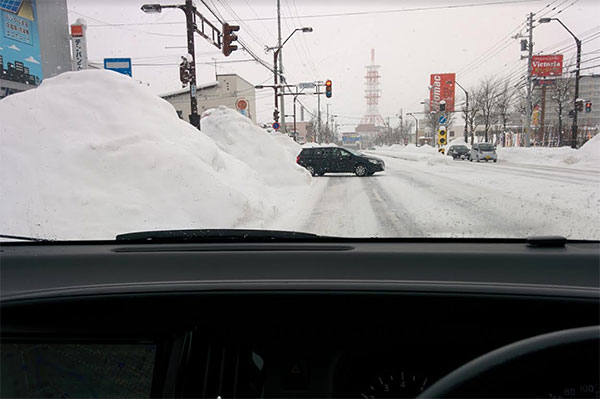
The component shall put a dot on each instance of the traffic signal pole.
(190, 16)
(574, 126)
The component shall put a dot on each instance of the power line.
(356, 13)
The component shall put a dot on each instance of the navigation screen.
(42, 370)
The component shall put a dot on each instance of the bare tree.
(471, 115)
(561, 99)
(503, 103)
(485, 101)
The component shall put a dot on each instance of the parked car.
(321, 160)
(458, 152)
(483, 152)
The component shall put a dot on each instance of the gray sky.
(409, 44)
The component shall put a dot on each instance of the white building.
(226, 90)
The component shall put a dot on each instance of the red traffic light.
(588, 106)
(328, 88)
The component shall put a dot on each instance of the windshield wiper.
(23, 238)
(203, 235)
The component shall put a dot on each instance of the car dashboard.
(312, 319)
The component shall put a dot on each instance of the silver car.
(483, 152)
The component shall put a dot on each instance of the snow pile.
(424, 153)
(588, 156)
(91, 154)
(263, 152)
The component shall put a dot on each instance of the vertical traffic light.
(228, 38)
(442, 139)
(588, 106)
(442, 106)
(328, 88)
(579, 105)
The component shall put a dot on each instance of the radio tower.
(372, 94)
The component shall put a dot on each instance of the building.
(35, 43)
(546, 101)
(227, 90)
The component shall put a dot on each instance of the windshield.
(120, 117)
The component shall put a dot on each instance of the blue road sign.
(121, 65)
(275, 125)
(442, 119)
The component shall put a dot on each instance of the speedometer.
(575, 391)
(395, 385)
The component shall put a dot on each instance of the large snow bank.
(91, 154)
(588, 156)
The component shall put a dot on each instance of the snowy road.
(459, 198)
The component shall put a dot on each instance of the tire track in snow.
(344, 209)
(394, 219)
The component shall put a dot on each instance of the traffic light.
(523, 45)
(579, 105)
(184, 72)
(442, 139)
(442, 106)
(328, 88)
(588, 106)
(228, 38)
(276, 115)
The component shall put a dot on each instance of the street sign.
(442, 119)
(275, 125)
(241, 104)
(307, 85)
(121, 65)
(546, 65)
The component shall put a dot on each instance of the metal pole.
(283, 128)
(190, 15)
(295, 130)
(318, 112)
(275, 83)
(529, 104)
(574, 126)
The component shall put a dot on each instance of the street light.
(306, 29)
(578, 43)
(416, 128)
(189, 9)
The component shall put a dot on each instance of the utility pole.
(190, 17)
(529, 101)
(283, 127)
(327, 127)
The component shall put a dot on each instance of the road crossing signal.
(588, 106)
(442, 136)
(442, 106)
(328, 88)
(228, 38)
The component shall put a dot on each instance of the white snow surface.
(586, 157)
(101, 155)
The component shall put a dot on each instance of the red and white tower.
(372, 94)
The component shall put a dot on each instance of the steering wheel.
(505, 354)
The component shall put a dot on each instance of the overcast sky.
(411, 38)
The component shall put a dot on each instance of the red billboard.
(441, 88)
(546, 65)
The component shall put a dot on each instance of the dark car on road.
(458, 152)
(321, 160)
